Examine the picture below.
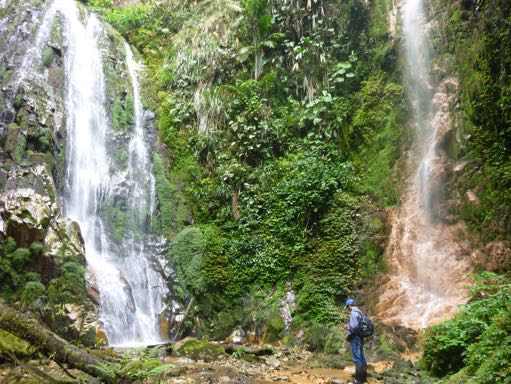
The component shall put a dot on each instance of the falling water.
(130, 290)
(427, 280)
(34, 52)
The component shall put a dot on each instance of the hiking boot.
(363, 373)
(359, 374)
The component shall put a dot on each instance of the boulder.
(30, 214)
(101, 337)
(91, 286)
(198, 349)
(237, 336)
(82, 325)
(256, 350)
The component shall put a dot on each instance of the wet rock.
(237, 336)
(198, 349)
(15, 143)
(164, 328)
(91, 286)
(101, 337)
(257, 350)
(494, 256)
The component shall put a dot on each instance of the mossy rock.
(275, 328)
(198, 349)
(12, 344)
(15, 143)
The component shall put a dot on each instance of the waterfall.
(130, 290)
(427, 271)
(33, 53)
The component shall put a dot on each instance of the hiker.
(356, 341)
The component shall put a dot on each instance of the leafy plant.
(478, 337)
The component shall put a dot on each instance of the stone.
(198, 349)
(272, 361)
(91, 286)
(14, 141)
(237, 336)
(499, 256)
(472, 197)
(494, 256)
(101, 337)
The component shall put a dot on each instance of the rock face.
(30, 214)
(494, 256)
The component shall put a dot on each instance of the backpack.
(366, 326)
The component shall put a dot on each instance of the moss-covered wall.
(474, 41)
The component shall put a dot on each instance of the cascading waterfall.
(34, 51)
(130, 289)
(427, 280)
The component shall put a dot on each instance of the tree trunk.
(49, 343)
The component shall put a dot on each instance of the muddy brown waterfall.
(427, 273)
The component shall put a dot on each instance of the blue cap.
(349, 302)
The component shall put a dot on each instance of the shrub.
(478, 337)
(32, 291)
(69, 287)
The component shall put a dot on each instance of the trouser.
(357, 350)
(357, 353)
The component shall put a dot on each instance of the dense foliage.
(277, 119)
(476, 37)
(14, 261)
(478, 338)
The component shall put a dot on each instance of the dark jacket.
(355, 322)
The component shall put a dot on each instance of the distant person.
(356, 341)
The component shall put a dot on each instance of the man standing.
(356, 341)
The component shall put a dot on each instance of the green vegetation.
(14, 261)
(69, 287)
(187, 254)
(274, 135)
(478, 339)
(48, 57)
(478, 37)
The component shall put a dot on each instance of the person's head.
(350, 303)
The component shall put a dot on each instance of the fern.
(158, 371)
(105, 370)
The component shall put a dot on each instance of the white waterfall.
(130, 290)
(34, 53)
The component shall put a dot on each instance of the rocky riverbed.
(193, 361)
